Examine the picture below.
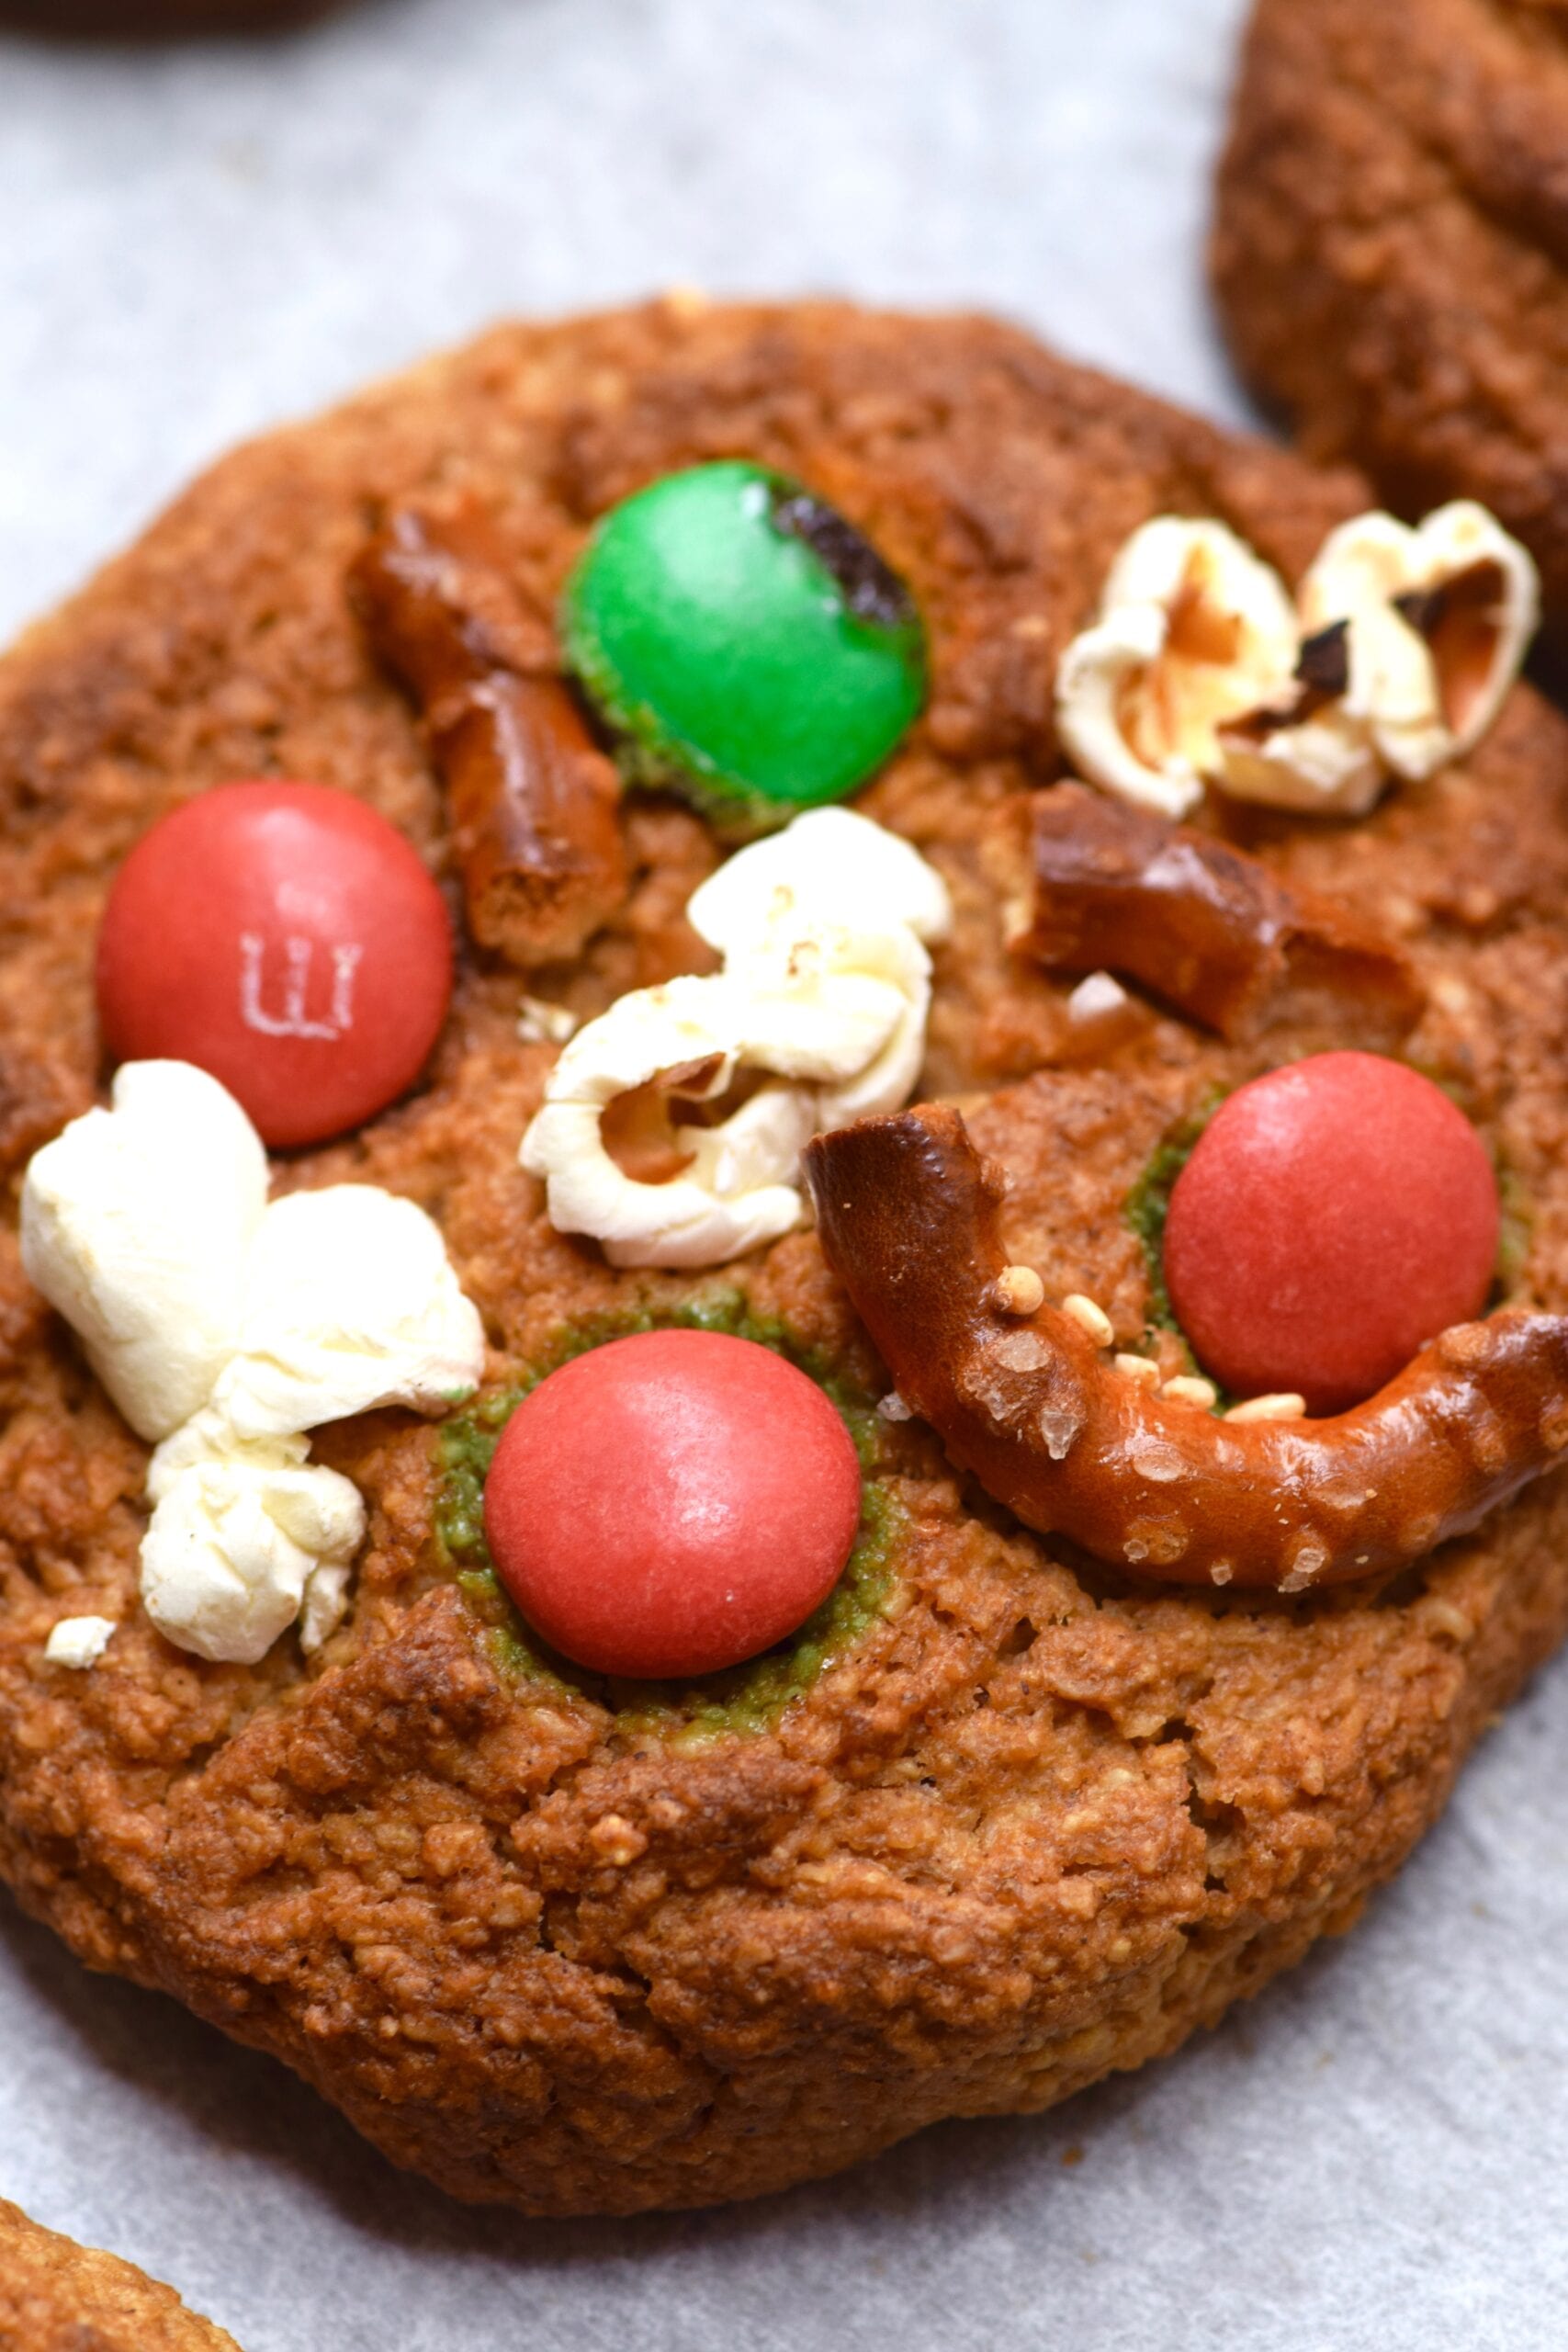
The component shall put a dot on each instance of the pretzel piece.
(906, 1212)
(534, 804)
(1211, 930)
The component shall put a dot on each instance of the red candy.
(287, 939)
(1336, 1216)
(671, 1504)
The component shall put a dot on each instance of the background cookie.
(56, 2296)
(147, 19)
(1390, 251)
(1038, 1824)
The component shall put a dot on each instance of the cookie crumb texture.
(1391, 253)
(56, 2296)
(1034, 1823)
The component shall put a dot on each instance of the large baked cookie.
(1390, 252)
(56, 2296)
(1015, 1814)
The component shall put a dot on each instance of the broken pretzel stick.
(534, 804)
(1214, 932)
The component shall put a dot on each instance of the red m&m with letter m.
(1335, 1216)
(287, 939)
(671, 1504)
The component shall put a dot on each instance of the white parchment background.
(1374, 2154)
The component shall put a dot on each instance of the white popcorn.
(240, 1544)
(825, 989)
(136, 1224)
(734, 1193)
(350, 1303)
(228, 1328)
(1426, 702)
(1190, 673)
(79, 1642)
(829, 862)
(1325, 765)
(1194, 632)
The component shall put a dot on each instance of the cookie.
(1014, 1813)
(142, 19)
(1389, 253)
(56, 2296)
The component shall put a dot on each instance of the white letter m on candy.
(294, 1021)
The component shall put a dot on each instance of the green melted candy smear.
(1515, 1238)
(746, 643)
(748, 1698)
(1148, 1203)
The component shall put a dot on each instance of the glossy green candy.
(745, 642)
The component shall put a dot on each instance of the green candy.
(746, 645)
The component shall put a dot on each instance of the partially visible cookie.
(1390, 252)
(142, 19)
(56, 2296)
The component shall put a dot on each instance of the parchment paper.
(194, 244)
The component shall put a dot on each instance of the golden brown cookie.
(1025, 1820)
(56, 2296)
(1391, 251)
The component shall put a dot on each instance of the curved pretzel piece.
(534, 804)
(908, 1216)
(1211, 930)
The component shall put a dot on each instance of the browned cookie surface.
(56, 2296)
(1392, 246)
(1034, 1823)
